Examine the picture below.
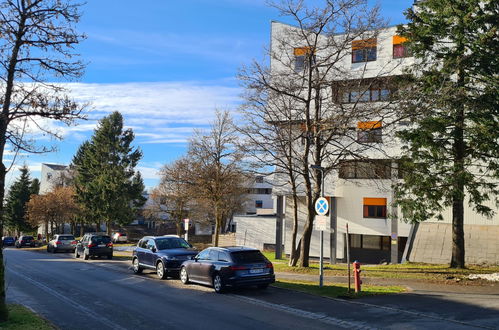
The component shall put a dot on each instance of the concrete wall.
(255, 231)
(433, 244)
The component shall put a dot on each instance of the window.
(371, 242)
(369, 132)
(375, 208)
(303, 55)
(400, 49)
(259, 179)
(365, 169)
(364, 50)
(258, 204)
(150, 244)
(204, 255)
(223, 256)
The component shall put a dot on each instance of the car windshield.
(171, 243)
(67, 238)
(101, 239)
(248, 256)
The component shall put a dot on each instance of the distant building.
(52, 176)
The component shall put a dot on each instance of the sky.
(166, 65)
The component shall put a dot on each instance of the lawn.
(21, 318)
(419, 271)
(336, 290)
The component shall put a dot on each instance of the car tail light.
(237, 268)
(74, 243)
(110, 244)
(58, 242)
(269, 265)
(91, 245)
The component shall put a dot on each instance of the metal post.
(348, 257)
(394, 247)
(321, 268)
(278, 228)
(333, 236)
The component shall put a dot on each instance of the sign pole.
(186, 228)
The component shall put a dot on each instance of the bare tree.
(217, 179)
(306, 106)
(37, 38)
(173, 194)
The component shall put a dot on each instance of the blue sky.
(166, 65)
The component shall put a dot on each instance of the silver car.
(62, 242)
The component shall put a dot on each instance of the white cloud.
(148, 172)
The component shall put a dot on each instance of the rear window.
(28, 237)
(101, 239)
(248, 256)
(67, 238)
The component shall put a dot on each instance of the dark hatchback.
(25, 241)
(94, 245)
(8, 241)
(229, 267)
(165, 254)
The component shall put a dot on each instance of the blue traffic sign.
(321, 206)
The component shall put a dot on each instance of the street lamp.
(321, 258)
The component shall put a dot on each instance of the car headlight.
(170, 257)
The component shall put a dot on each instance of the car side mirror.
(190, 245)
(196, 259)
(153, 249)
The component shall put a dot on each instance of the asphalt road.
(77, 294)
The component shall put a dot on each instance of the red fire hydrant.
(356, 276)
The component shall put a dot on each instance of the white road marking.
(110, 324)
(310, 315)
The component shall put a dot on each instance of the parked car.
(25, 241)
(120, 237)
(165, 254)
(60, 242)
(94, 245)
(228, 267)
(8, 241)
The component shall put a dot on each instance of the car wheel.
(54, 250)
(76, 254)
(262, 286)
(136, 267)
(48, 248)
(85, 255)
(160, 270)
(184, 277)
(218, 284)
(110, 256)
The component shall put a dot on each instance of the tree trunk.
(82, 229)
(4, 313)
(217, 226)
(307, 237)
(46, 232)
(295, 250)
(108, 227)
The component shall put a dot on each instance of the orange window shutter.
(367, 125)
(374, 201)
(302, 51)
(398, 40)
(366, 43)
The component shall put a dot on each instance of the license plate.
(256, 270)
(101, 245)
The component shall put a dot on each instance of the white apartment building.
(51, 176)
(360, 190)
(259, 196)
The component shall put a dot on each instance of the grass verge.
(415, 271)
(21, 318)
(337, 290)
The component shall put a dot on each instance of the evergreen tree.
(15, 205)
(452, 150)
(107, 186)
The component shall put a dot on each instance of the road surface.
(77, 294)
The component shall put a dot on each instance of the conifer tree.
(107, 186)
(452, 150)
(15, 206)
